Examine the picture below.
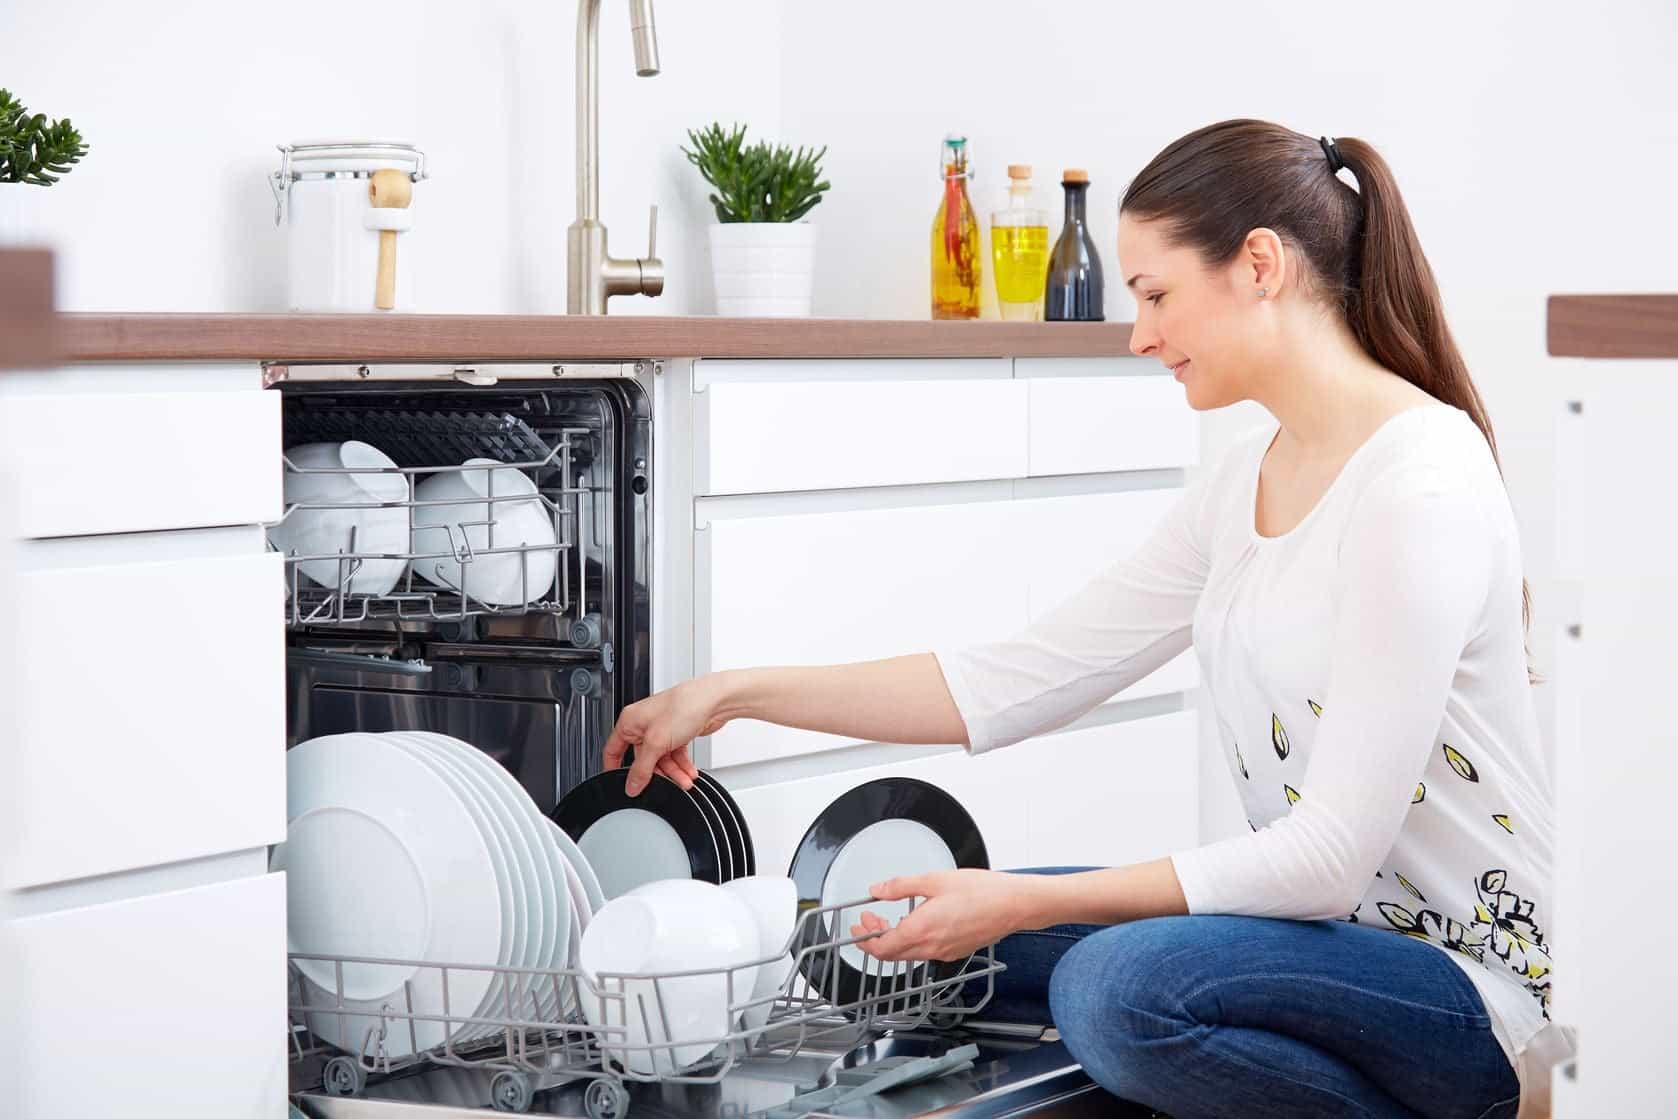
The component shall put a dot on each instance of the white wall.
(1536, 144)
(183, 101)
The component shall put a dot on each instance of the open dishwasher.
(536, 685)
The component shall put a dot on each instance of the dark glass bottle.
(1074, 292)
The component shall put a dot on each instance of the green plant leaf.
(33, 150)
(759, 182)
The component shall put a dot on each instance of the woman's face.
(1205, 324)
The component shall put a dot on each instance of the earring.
(1263, 292)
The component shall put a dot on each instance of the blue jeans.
(1204, 1017)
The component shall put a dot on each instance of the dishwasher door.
(1017, 1073)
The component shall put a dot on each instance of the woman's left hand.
(965, 910)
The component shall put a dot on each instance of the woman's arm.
(901, 699)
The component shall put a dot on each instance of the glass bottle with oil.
(1019, 248)
(956, 263)
(1074, 289)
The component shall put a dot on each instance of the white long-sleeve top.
(1368, 674)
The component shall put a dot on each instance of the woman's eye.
(1156, 297)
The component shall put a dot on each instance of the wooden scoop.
(388, 190)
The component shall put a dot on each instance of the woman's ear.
(1264, 263)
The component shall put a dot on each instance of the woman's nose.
(1143, 339)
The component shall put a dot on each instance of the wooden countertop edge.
(29, 331)
(1614, 326)
(90, 337)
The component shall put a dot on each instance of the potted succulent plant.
(762, 252)
(33, 151)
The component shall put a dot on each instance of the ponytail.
(1216, 185)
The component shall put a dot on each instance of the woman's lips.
(1177, 370)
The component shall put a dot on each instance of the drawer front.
(1071, 540)
(771, 437)
(109, 461)
(1089, 425)
(171, 1005)
(833, 587)
(1113, 795)
(150, 712)
(987, 786)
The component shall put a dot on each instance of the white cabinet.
(1100, 796)
(1092, 425)
(167, 1005)
(150, 711)
(780, 430)
(111, 459)
(834, 587)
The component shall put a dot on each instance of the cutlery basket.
(326, 588)
(587, 1032)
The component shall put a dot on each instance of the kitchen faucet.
(592, 274)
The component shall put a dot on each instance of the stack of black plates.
(662, 833)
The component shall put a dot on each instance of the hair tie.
(1335, 163)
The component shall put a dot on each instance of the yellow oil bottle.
(1019, 247)
(956, 261)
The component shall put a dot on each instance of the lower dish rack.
(552, 1027)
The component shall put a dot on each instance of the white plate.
(882, 850)
(582, 912)
(579, 862)
(516, 930)
(547, 864)
(382, 858)
(631, 847)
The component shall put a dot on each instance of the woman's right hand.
(660, 728)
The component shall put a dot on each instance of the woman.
(1350, 579)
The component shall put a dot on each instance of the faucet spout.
(592, 274)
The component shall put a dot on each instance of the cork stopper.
(1075, 175)
(1019, 170)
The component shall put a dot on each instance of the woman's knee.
(1113, 999)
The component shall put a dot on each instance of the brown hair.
(1217, 184)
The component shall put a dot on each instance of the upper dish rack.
(424, 445)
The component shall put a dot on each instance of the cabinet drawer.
(774, 436)
(113, 461)
(824, 588)
(1112, 795)
(1071, 540)
(1090, 425)
(987, 786)
(167, 1005)
(150, 707)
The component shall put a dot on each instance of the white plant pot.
(763, 269)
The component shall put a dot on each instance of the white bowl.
(525, 521)
(773, 902)
(372, 526)
(667, 926)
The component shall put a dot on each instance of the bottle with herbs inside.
(956, 264)
(1074, 292)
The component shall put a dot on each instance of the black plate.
(732, 865)
(603, 793)
(745, 854)
(889, 798)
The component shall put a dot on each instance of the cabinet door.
(1112, 795)
(149, 712)
(1070, 540)
(987, 786)
(170, 1006)
(1091, 425)
(774, 436)
(122, 461)
(824, 588)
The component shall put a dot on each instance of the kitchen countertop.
(404, 337)
(1613, 326)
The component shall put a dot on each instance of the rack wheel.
(511, 1091)
(344, 1077)
(606, 1099)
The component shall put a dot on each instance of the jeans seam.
(1477, 1021)
(1514, 1099)
(1200, 1032)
